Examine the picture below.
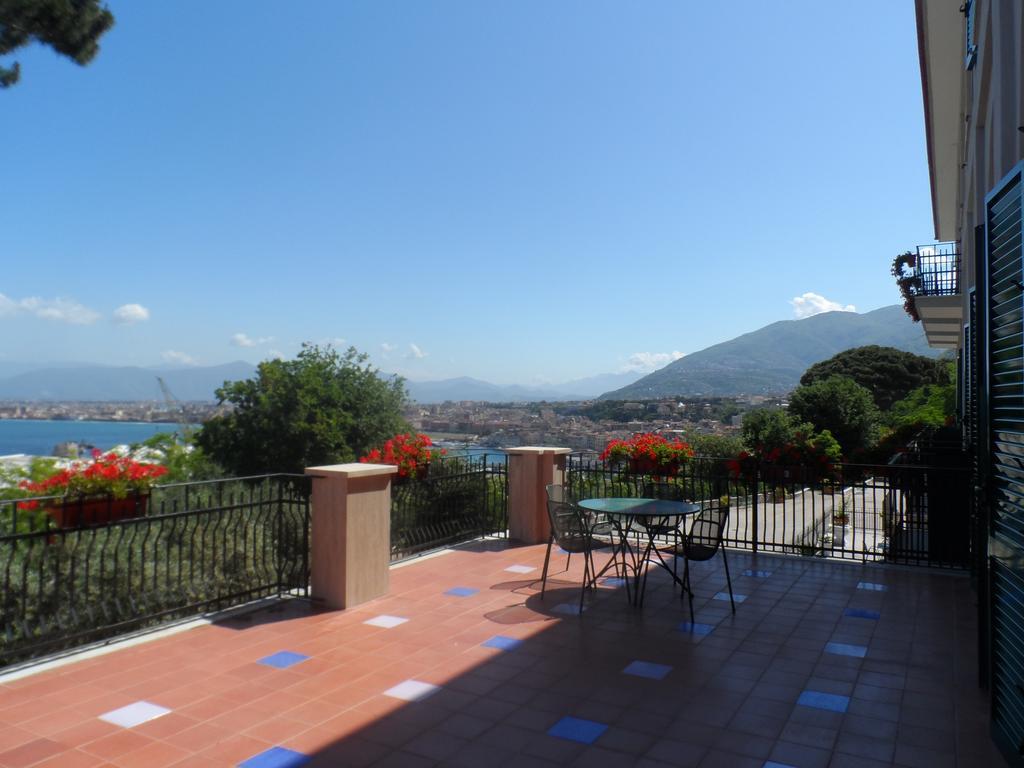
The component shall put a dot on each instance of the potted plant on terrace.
(647, 453)
(108, 488)
(412, 454)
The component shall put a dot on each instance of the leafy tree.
(71, 27)
(841, 406)
(771, 427)
(930, 405)
(184, 463)
(890, 374)
(323, 407)
(715, 446)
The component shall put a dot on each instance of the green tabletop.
(640, 507)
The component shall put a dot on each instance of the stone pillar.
(530, 469)
(351, 532)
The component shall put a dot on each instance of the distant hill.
(772, 359)
(106, 383)
(465, 388)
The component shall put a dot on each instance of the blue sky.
(517, 191)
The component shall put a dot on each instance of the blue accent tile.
(844, 649)
(461, 591)
(577, 729)
(647, 669)
(503, 643)
(283, 659)
(830, 701)
(696, 629)
(276, 757)
(773, 764)
(860, 613)
(757, 574)
(613, 581)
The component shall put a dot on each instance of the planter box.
(90, 512)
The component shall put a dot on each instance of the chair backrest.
(705, 534)
(649, 489)
(557, 493)
(565, 517)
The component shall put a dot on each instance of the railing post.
(530, 469)
(753, 514)
(351, 532)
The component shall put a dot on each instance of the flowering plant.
(650, 450)
(412, 454)
(813, 454)
(105, 475)
(908, 282)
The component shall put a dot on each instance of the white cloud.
(810, 304)
(275, 354)
(386, 349)
(244, 340)
(650, 361)
(129, 314)
(61, 310)
(415, 351)
(179, 357)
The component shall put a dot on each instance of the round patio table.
(651, 516)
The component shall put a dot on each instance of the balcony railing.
(198, 547)
(459, 499)
(884, 513)
(937, 271)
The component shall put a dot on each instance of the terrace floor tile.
(813, 669)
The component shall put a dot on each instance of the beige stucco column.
(530, 469)
(351, 532)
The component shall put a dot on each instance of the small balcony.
(932, 292)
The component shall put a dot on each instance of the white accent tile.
(520, 569)
(385, 621)
(412, 690)
(872, 586)
(134, 714)
(725, 596)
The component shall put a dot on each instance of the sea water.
(39, 437)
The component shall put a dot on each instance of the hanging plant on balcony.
(907, 281)
(108, 488)
(412, 454)
(648, 454)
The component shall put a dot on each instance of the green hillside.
(772, 359)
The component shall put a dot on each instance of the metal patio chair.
(577, 532)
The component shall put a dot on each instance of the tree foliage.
(323, 407)
(841, 406)
(771, 427)
(71, 27)
(931, 405)
(889, 374)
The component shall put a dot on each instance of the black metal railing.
(887, 513)
(75, 573)
(937, 270)
(459, 499)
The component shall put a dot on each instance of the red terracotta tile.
(30, 753)
(116, 744)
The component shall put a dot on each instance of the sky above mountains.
(527, 192)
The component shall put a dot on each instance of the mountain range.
(772, 359)
(769, 360)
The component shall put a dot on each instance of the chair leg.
(568, 561)
(687, 589)
(586, 577)
(728, 580)
(547, 559)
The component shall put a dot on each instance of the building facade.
(972, 74)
